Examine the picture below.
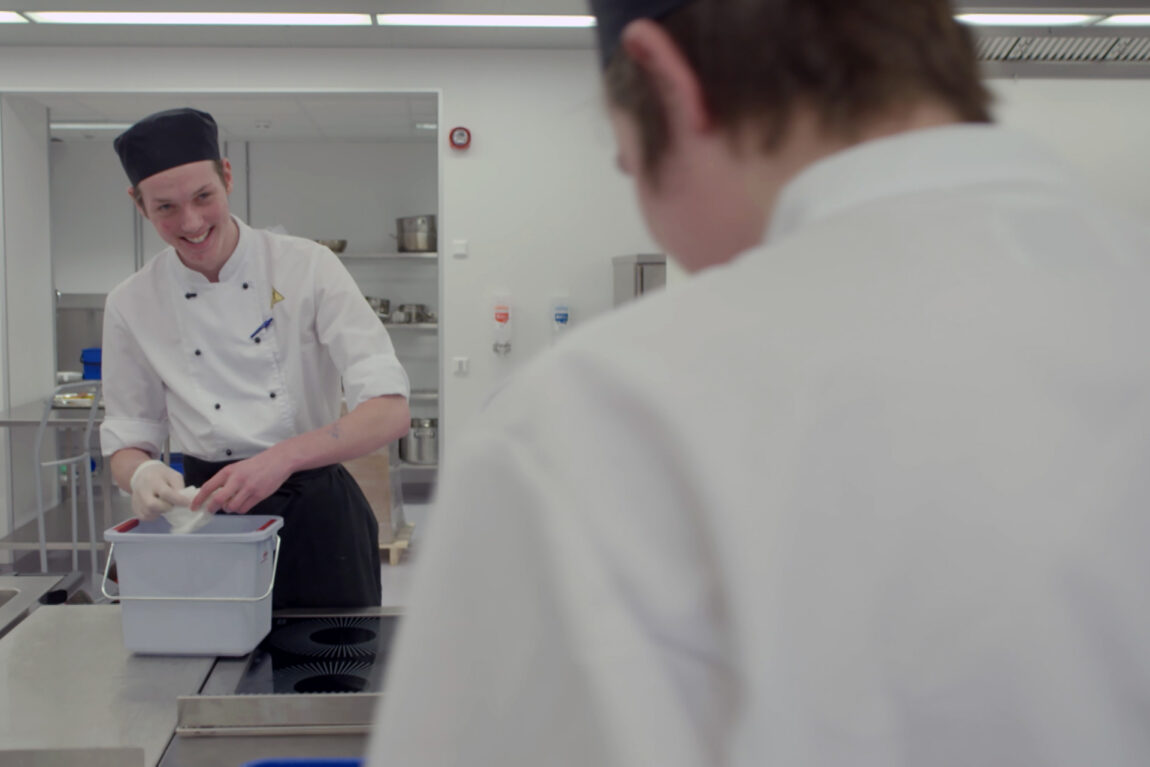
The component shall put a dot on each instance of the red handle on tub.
(266, 525)
(124, 527)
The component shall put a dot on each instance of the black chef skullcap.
(613, 15)
(166, 140)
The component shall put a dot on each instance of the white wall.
(28, 354)
(343, 190)
(537, 195)
(314, 189)
(237, 154)
(355, 191)
(1098, 126)
(540, 201)
(5, 439)
(91, 218)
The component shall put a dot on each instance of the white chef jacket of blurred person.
(873, 494)
(196, 366)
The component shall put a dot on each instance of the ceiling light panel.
(11, 17)
(89, 126)
(203, 19)
(1126, 20)
(1028, 19)
(542, 21)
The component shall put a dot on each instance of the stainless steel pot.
(417, 312)
(380, 306)
(421, 444)
(416, 234)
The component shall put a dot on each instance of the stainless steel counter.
(19, 594)
(29, 414)
(234, 751)
(66, 682)
(72, 696)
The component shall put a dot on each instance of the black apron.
(329, 542)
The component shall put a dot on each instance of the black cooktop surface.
(310, 655)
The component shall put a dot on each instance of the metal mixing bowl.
(336, 246)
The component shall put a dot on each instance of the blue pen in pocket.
(263, 326)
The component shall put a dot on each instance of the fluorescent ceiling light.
(1126, 20)
(203, 19)
(89, 126)
(483, 20)
(11, 17)
(1028, 19)
(426, 126)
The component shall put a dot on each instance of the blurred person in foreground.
(868, 489)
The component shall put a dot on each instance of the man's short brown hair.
(217, 164)
(849, 60)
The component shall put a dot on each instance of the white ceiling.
(295, 37)
(351, 117)
(259, 116)
(395, 37)
(390, 117)
(355, 37)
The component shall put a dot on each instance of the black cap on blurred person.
(166, 140)
(613, 15)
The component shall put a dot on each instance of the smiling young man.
(235, 341)
(868, 489)
(190, 215)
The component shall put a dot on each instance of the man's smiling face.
(188, 206)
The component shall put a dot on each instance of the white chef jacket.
(874, 493)
(184, 351)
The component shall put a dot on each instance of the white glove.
(155, 489)
(182, 519)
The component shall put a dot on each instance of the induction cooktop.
(337, 654)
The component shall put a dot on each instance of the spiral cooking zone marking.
(324, 676)
(328, 637)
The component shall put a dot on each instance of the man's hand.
(155, 489)
(241, 485)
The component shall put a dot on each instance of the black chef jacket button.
(257, 339)
(217, 406)
(228, 451)
(189, 295)
(198, 352)
(245, 286)
(272, 395)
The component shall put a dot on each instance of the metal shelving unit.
(416, 468)
(391, 256)
(412, 474)
(412, 325)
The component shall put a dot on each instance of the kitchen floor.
(395, 579)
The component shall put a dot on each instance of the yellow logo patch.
(276, 297)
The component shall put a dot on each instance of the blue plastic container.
(91, 360)
(344, 762)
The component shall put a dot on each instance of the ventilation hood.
(1064, 52)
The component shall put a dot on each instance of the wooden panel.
(371, 472)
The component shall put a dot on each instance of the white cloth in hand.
(155, 489)
(182, 518)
